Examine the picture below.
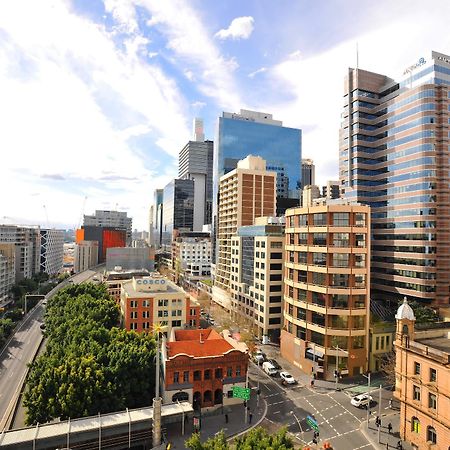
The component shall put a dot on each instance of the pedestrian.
(390, 403)
(399, 445)
(312, 383)
(389, 427)
(250, 417)
(226, 418)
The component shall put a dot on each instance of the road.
(339, 422)
(20, 352)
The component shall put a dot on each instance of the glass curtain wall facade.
(394, 156)
(178, 209)
(239, 135)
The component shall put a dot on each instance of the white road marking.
(276, 403)
(277, 412)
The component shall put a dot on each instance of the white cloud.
(57, 70)
(189, 75)
(189, 40)
(256, 72)
(198, 104)
(124, 13)
(240, 28)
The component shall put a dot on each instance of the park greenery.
(423, 314)
(256, 439)
(90, 365)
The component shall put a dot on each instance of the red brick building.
(202, 366)
(145, 301)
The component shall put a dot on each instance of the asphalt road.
(20, 352)
(339, 422)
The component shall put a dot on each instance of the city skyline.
(92, 92)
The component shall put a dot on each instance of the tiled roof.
(188, 342)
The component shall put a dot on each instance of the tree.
(387, 366)
(424, 314)
(89, 365)
(256, 439)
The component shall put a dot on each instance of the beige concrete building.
(257, 256)
(382, 336)
(422, 385)
(86, 255)
(152, 300)
(326, 289)
(247, 192)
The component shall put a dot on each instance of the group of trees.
(90, 365)
(6, 327)
(256, 439)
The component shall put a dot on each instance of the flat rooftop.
(439, 343)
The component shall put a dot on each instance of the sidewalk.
(387, 441)
(211, 425)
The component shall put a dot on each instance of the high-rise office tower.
(115, 219)
(196, 163)
(244, 193)
(178, 212)
(257, 133)
(326, 288)
(394, 156)
(308, 173)
(156, 213)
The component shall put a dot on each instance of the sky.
(97, 98)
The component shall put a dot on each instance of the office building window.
(416, 368)
(340, 260)
(360, 240)
(145, 314)
(320, 239)
(133, 326)
(360, 220)
(207, 374)
(176, 323)
(133, 315)
(238, 371)
(341, 239)
(218, 373)
(197, 375)
(229, 371)
(133, 304)
(320, 219)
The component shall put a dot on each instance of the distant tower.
(308, 172)
(199, 134)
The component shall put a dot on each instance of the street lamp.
(368, 404)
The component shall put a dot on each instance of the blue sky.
(98, 97)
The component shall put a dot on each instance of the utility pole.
(246, 404)
(379, 412)
(156, 435)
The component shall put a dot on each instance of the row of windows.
(405, 273)
(339, 219)
(207, 374)
(324, 239)
(340, 301)
(420, 135)
(404, 261)
(321, 259)
(404, 213)
(146, 325)
(402, 225)
(322, 279)
(409, 237)
(402, 285)
(431, 432)
(412, 98)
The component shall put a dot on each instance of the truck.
(269, 368)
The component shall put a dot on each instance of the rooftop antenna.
(46, 216)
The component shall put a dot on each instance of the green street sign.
(312, 423)
(240, 392)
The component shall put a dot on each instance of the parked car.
(275, 364)
(287, 378)
(269, 368)
(258, 358)
(361, 401)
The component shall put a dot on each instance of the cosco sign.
(150, 281)
(419, 63)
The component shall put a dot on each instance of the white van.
(269, 368)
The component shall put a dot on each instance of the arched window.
(431, 435)
(207, 396)
(415, 425)
(181, 397)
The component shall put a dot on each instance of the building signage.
(240, 392)
(444, 58)
(150, 281)
(312, 423)
(419, 63)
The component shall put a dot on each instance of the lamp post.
(368, 404)
(156, 435)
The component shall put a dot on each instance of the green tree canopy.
(90, 365)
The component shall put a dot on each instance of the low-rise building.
(422, 384)
(147, 301)
(382, 335)
(257, 276)
(202, 367)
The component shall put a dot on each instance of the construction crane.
(46, 216)
(82, 212)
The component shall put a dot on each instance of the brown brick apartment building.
(202, 366)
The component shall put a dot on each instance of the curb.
(366, 435)
(241, 433)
